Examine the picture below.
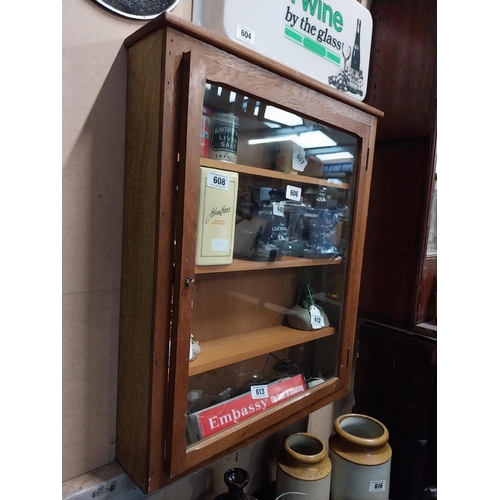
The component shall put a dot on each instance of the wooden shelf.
(228, 350)
(252, 265)
(271, 174)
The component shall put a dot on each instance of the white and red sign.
(231, 412)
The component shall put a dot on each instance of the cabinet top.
(168, 20)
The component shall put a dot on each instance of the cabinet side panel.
(138, 255)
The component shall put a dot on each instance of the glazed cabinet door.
(271, 209)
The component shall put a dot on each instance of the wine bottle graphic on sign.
(355, 77)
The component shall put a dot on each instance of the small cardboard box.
(216, 217)
(284, 158)
(314, 168)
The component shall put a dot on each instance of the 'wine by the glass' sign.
(329, 40)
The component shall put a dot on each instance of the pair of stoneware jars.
(357, 464)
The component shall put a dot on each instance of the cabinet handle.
(189, 281)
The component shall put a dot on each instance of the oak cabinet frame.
(169, 62)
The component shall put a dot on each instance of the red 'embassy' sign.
(226, 414)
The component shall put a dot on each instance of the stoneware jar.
(304, 466)
(361, 458)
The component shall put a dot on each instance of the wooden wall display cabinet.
(290, 238)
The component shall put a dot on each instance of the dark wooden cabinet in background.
(395, 382)
(398, 285)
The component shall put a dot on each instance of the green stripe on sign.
(333, 57)
(311, 45)
(315, 47)
(293, 34)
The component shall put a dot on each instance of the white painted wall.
(93, 119)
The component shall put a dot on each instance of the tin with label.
(205, 133)
(224, 136)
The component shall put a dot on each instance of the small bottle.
(236, 479)
(354, 80)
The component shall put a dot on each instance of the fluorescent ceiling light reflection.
(314, 139)
(342, 155)
(276, 138)
(280, 116)
(271, 125)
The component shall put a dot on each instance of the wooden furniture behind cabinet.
(239, 311)
(399, 273)
(396, 382)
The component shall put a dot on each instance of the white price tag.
(259, 391)
(245, 34)
(293, 193)
(377, 485)
(218, 181)
(278, 209)
(299, 161)
(219, 245)
(317, 321)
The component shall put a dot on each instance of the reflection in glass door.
(276, 191)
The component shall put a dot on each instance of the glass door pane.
(276, 194)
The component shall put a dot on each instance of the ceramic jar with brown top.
(304, 466)
(361, 458)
